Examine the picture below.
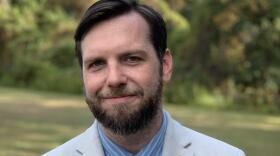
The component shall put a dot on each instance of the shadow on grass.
(31, 129)
(33, 123)
(257, 135)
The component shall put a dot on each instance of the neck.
(135, 142)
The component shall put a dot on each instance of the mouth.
(119, 99)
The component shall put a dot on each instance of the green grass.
(34, 122)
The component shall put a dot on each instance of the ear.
(167, 65)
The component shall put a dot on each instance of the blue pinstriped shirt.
(153, 148)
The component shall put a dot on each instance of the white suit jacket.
(179, 141)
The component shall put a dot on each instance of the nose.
(116, 76)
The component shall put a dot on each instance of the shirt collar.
(154, 147)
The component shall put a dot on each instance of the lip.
(119, 99)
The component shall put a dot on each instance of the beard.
(122, 119)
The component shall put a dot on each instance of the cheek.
(92, 83)
(147, 78)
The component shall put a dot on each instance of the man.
(121, 46)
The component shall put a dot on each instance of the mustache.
(116, 92)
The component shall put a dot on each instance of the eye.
(133, 60)
(97, 64)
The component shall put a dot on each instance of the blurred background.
(226, 80)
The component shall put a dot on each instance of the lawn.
(34, 122)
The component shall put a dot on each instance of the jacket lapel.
(177, 142)
(90, 144)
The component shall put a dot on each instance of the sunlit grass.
(34, 122)
(256, 134)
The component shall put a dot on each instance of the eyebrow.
(136, 52)
(125, 53)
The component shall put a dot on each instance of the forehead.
(125, 31)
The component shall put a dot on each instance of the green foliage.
(226, 53)
(231, 41)
(38, 48)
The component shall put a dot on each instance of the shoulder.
(67, 148)
(199, 144)
(77, 145)
(206, 145)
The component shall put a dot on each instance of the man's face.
(122, 74)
